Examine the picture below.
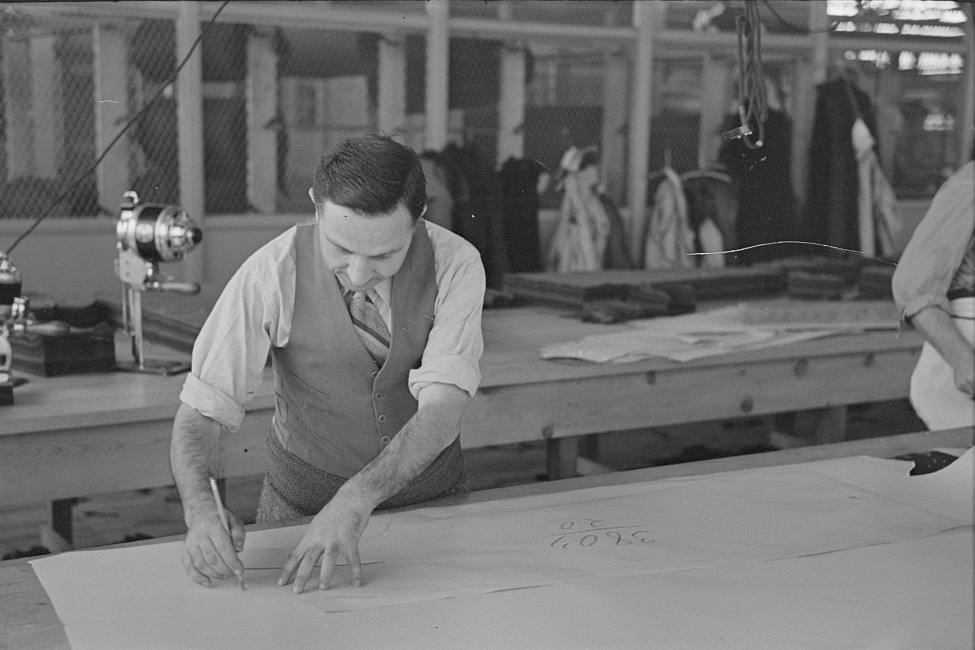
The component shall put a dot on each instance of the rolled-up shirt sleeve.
(936, 248)
(455, 344)
(231, 350)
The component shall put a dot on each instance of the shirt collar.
(381, 292)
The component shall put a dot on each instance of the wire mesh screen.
(47, 120)
(153, 160)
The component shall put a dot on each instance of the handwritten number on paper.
(589, 532)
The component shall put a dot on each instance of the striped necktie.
(369, 325)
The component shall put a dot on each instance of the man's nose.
(359, 270)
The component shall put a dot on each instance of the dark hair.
(371, 174)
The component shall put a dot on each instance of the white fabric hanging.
(876, 204)
(669, 237)
(580, 238)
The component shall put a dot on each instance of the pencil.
(223, 517)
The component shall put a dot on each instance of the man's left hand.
(333, 533)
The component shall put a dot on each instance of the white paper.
(745, 326)
(106, 597)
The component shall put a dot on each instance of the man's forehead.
(372, 235)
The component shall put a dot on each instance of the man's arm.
(208, 551)
(335, 531)
(941, 332)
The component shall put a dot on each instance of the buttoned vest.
(337, 406)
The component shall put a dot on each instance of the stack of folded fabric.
(816, 286)
(80, 351)
(572, 288)
(88, 347)
(619, 303)
(874, 281)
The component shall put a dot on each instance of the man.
(372, 317)
(934, 288)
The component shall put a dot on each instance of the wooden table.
(28, 620)
(88, 434)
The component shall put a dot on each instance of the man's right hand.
(209, 553)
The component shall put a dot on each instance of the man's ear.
(311, 195)
(425, 206)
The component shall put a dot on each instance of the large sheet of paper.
(745, 326)
(566, 543)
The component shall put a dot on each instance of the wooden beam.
(967, 121)
(616, 87)
(391, 112)
(111, 109)
(511, 103)
(189, 127)
(43, 106)
(262, 127)
(438, 51)
(639, 133)
(18, 127)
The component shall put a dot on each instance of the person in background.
(934, 287)
(372, 318)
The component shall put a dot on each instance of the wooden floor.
(109, 519)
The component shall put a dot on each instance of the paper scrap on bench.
(456, 551)
(745, 326)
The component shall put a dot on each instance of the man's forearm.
(191, 456)
(419, 442)
(940, 331)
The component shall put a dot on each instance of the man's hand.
(963, 367)
(209, 553)
(332, 534)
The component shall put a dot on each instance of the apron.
(933, 393)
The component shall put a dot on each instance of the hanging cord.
(753, 102)
(119, 135)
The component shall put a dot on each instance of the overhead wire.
(118, 136)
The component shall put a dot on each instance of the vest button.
(374, 374)
(382, 418)
(379, 395)
(384, 440)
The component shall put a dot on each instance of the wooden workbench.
(89, 434)
(29, 621)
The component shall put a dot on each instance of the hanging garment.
(580, 238)
(518, 181)
(877, 212)
(477, 212)
(766, 202)
(712, 209)
(669, 236)
(832, 197)
(709, 241)
(440, 203)
(617, 254)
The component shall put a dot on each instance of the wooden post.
(818, 24)
(643, 15)
(809, 72)
(615, 102)
(189, 128)
(967, 121)
(43, 106)
(111, 108)
(802, 114)
(391, 113)
(714, 106)
(19, 129)
(262, 109)
(511, 103)
(438, 69)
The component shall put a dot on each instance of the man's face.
(363, 251)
